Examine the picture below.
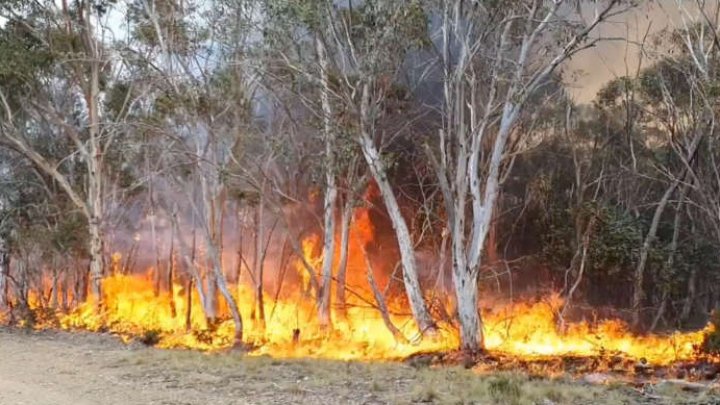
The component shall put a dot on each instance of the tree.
(488, 75)
(69, 44)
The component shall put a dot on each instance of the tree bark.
(638, 293)
(4, 273)
(93, 158)
(466, 293)
(407, 252)
(232, 305)
(345, 223)
(171, 274)
(259, 260)
(211, 287)
(330, 198)
(380, 301)
(97, 262)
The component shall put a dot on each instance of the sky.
(610, 59)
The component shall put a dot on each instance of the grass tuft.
(505, 389)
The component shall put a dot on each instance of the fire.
(134, 308)
(525, 330)
(530, 330)
(131, 309)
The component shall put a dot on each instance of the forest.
(362, 179)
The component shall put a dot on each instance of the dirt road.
(59, 368)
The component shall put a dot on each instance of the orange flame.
(132, 308)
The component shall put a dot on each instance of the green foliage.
(24, 58)
(613, 244)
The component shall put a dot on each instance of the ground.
(60, 368)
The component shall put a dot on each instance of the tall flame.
(133, 308)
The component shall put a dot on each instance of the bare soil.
(61, 368)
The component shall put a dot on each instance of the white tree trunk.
(330, 186)
(97, 264)
(407, 252)
(345, 222)
(93, 158)
(466, 293)
(229, 299)
(328, 249)
(259, 261)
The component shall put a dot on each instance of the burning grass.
(524, 334)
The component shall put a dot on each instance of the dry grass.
(320, 381)
(188, 377)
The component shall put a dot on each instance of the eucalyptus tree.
(200, 99)
(494, 58)
(62, 68)
(357, 52)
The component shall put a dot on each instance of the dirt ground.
(59, 368)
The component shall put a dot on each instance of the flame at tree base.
(525, 330)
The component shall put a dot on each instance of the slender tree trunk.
(661, 310)
(690, 296)
(692, 279)
(330, 198)
(55, 286)
(585, 246)
(671, 259)
(214, 208)
(189, 258)
(64, 304)
(232, 305)
(81, 284)
(345, 223)
(211, 287)
(155, 244)
(193, 255)
(188, 307)
(94, 165)
(638, 293)
(260, 263)
(380, 301)
(407, 252)
(97, 262)
(4, 272)
(171, 274)
(240, 257)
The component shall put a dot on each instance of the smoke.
(629, 45)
